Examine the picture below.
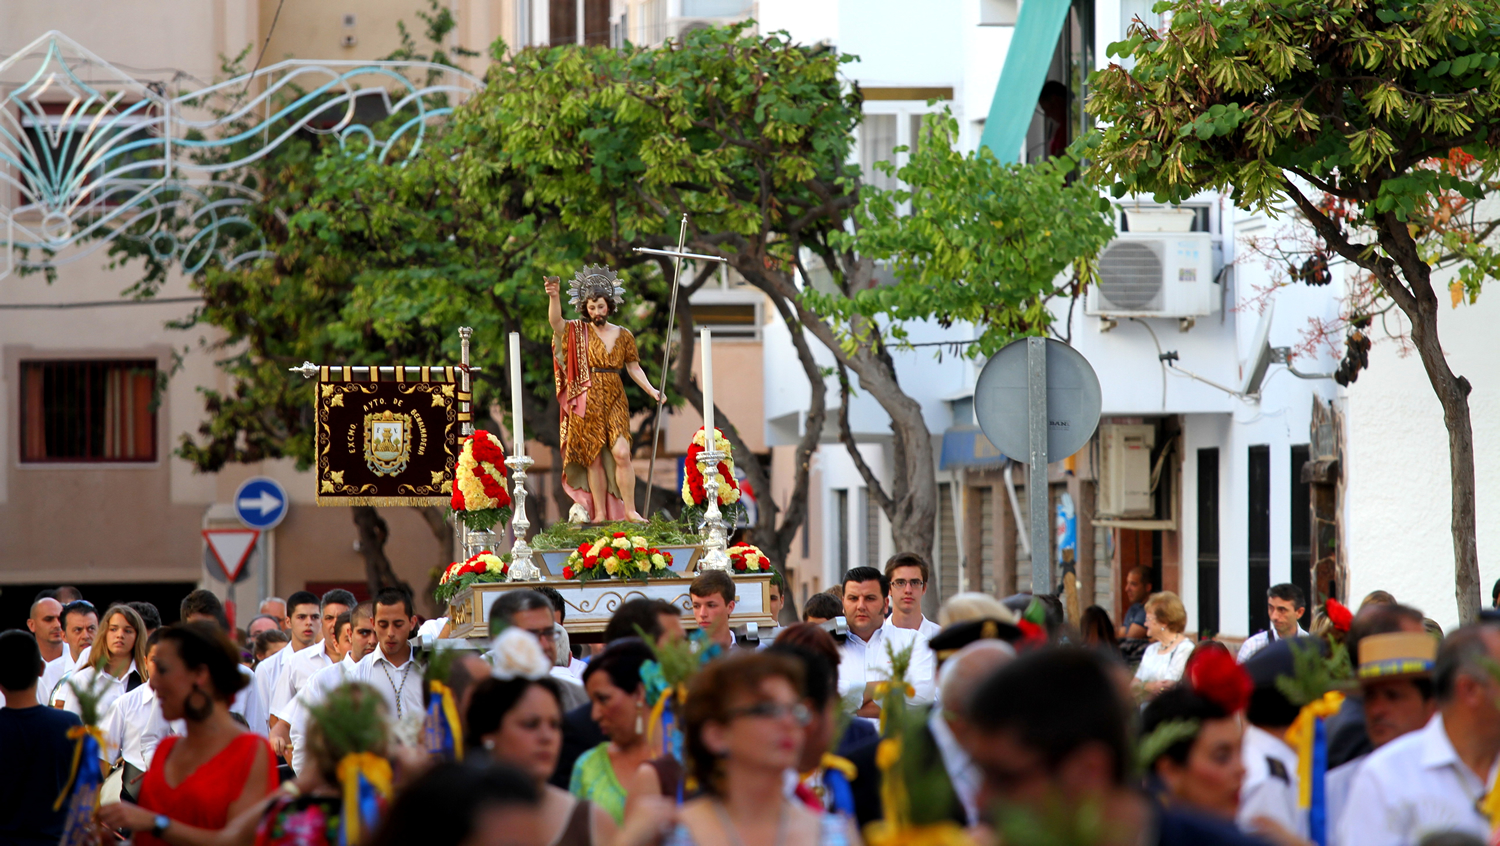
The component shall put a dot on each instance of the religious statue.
(589, 358)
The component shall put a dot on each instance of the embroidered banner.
(387, 436)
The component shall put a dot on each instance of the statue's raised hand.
(551, 283)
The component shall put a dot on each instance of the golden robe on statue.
(591, 394)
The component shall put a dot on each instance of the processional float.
(405, 435)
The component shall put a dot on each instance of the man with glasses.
(908, 574)
(532, 611)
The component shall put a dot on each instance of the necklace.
(734, 835)
(405, 669)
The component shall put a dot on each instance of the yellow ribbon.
(884, 687)
(844, 765)
(1491, 805)
(78, 733)
(376, 770)
(945, 833)
(1300, 737)
(450, 711)
(653, 726)
(892, 788)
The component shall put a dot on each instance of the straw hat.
(1396, 655)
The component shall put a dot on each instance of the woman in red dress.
(198, 782)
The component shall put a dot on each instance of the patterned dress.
(599, 378)
(301, 821)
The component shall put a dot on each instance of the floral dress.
(300, 821)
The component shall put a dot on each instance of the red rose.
(504, 569)
(567, 572)
(591, 561)
(458, 498)
(739, 564)
(583, 548)
(1217, 677)
(619, 534)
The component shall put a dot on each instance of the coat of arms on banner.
(387, 442)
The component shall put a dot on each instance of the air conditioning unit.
(1125, 470)
(1155, 274)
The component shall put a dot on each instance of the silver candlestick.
(522, 567)
(714, 541)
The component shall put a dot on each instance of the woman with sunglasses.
(744, 725)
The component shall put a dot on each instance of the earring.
(489, 744)
(640, 722)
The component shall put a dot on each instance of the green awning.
(1026, 62)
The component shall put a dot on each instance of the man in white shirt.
(133, 728)
(865, 655)
(201, 606)
(392, 669)
(1270, 789)
(908, 574)
(80, 623)
(356, 631)
(1285, 606)
(1434, 780)
(46, 626)
(327, 652)
(1395, 656)
(305, 613)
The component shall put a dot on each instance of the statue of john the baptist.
(589, 358)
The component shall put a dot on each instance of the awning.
(1031, 47)
(966, 446)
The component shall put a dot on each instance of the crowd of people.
(999, 722)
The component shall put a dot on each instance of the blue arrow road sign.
(260, 503)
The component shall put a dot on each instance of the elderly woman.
(1166, 657)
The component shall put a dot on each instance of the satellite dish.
(1073, 401)
(1261, 356)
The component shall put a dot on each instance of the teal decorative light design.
(89, 153)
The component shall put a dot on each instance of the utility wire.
(97, 303)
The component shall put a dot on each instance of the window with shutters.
(88, 411)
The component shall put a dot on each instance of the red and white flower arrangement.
(620, 557)
(484, 567)
(692, 480)
(480, 498)
(745, 558)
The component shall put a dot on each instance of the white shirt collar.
(874, 636)
(380, 657)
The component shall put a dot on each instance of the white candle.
(515, 393)
(705, 339)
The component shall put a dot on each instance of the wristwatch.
(159, 825)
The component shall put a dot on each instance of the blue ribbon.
(437, 735)
(78, 823)
(840, 791)
(369, 805)
(1317, 812)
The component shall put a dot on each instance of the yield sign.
(231, 548)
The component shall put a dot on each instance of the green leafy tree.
(1376, 121)
(969, 240)
(747, 136)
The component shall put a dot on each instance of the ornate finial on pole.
(308, 370)
(715, 543)
(464, 333)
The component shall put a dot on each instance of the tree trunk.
(1453, 393)
(914, 482)
(442, 532)
(373, 533)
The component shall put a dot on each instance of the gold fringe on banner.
(383, 501)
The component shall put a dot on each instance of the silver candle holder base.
(715, 541)
(522, 564)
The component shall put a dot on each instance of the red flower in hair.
(1214, 675)
(1340, 616)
